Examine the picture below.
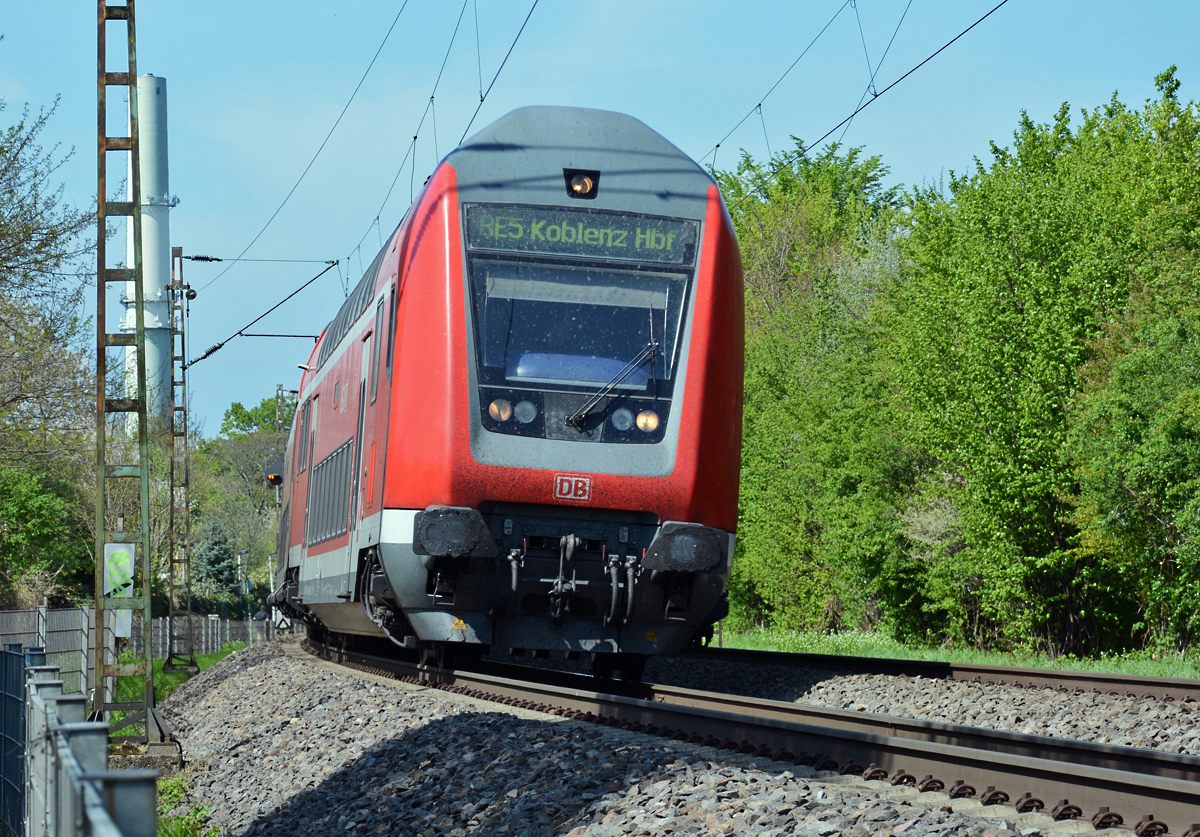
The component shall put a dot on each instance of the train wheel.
(626, 667)
(604, 665)
(632, 667)
(451, 655)
(460, 654)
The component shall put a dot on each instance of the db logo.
(572, 487)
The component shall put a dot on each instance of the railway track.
(1055, 780)
(1126, 685)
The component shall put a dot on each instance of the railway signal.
(180, 646)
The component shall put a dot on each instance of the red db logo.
(572, 487)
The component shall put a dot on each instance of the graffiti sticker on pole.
(118, 582)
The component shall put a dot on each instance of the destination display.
(553, 231)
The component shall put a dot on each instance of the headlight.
(647, 421)
(500, 410)
(622, 419)
(525, 412)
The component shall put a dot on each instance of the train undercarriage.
(614, 586)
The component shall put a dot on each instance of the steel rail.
(1148, 790)
(1127, 685)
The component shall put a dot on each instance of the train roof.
(520, 158)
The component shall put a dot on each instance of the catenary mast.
(156, 203)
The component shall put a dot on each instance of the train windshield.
(573, 326)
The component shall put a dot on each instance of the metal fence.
(69, 788)
(66, 634)
(54, 777)
(209, 635)
(12, 739)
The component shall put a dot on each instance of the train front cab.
(588, 358)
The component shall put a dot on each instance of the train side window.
(375, 351)
(328, 487)
(391, 340)
(302, 439)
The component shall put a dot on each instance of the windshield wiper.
(577, 418)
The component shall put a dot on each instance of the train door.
(308, 570)
(373, 421)
(356, 473)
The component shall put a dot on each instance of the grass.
(130, 689)
(165, 682)
(172, 792)
(869, 644)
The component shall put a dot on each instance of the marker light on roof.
(581, 184)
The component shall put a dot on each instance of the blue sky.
(255, 86)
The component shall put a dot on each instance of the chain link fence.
(209, 634)
(66, 634)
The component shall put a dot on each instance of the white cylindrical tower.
(156, 203)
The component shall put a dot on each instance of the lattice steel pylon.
(181, 650)
(129, 575)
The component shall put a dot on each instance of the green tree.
(237, 510)
(46, 390)
(822, 462)
(1014, 278)
(38, 544)
(214, 568)
(271, 414)
(42, 241)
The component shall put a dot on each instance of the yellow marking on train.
(651, 636)
(459, 625)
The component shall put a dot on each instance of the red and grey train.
(523, 427)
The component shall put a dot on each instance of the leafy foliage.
(270, 414)
(821, 458)
(46, 389)
(41, 239)
(36, 538)
(236, 508)
(978, 419)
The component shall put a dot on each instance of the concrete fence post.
(70, 790)
(42, 624)
(83, 634)
(128, 796)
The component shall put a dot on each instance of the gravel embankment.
(1170, 726)
(281, 744)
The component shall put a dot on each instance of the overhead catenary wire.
(863, 37)
(478, 52)
(321, 148)
(241, 331)
(766, 138)
(778, 81)
(788, 159)
(502, 63)
(411, 153)
(420, 124)
(282, 261)
(433, 118)
(870, 87)
(306, 336)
